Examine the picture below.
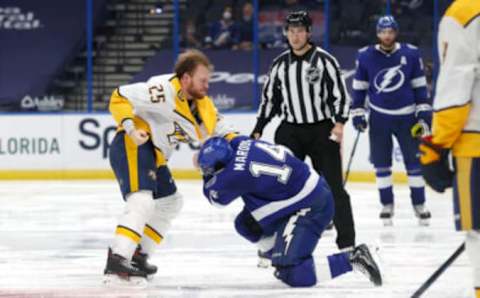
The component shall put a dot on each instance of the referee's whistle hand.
(337, 132)
(255, 135)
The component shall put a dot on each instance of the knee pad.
(166, 209)
(301, 275)
(139, 207)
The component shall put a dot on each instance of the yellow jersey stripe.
(448, 124)
(129, 233)
(464, 11)
(464, 167)
(131, 150)
(152, 233)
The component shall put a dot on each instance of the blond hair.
(188, 61)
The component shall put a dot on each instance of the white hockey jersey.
(456, 120)
(159, 107)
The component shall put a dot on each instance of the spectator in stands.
(245, 28)
(223, 34)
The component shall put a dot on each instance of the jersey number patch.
(278, 153)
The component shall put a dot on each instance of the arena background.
(60, 61)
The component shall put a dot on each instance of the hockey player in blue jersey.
(286, 207)
(391, 75)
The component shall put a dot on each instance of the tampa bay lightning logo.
(389, 79)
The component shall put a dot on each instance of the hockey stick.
(438, 272)
(354, 148)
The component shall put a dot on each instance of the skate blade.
(424, 222)
(115, 281)
(264, 263)
(387, 222)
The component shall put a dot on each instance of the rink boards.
(75, 146)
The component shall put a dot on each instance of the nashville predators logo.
(179, 135)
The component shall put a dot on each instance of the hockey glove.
(420, 129)
(247, 226)
(435, 166)
(359, 120)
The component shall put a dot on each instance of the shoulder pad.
(363, 49)
(411, 46)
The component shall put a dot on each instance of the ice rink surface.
(54, 239)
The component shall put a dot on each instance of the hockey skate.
(264, 259)
(422, 214)
(140, 261)
(120, 272)
(386, 215)
(363, 262)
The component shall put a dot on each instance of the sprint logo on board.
(12, 18)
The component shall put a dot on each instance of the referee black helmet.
(299, 18)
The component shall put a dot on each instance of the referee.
(305, 87)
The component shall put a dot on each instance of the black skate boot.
(119, 270)
(386, 215)
(140, 261)
(423, 215)
(362, 261)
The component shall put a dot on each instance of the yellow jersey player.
(456, 123)
(153, 117)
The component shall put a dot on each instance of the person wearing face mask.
(223, 34)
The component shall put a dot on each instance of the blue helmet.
(385, 22)
(215, 153)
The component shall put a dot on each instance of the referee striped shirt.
(306, 89)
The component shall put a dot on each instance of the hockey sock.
(385, 185)
(339, 264)
(472, 245)
(165, 210)
(130, 227)
(417, 186)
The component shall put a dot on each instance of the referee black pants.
(313, 140)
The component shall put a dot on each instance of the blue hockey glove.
(359, 120)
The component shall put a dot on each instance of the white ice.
(54, 239)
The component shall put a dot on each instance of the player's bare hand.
(256, 135)
(337, 133)
(195, 160)
(139, 136)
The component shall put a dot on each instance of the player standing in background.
(153, 117)
(456, 123)
(392, 76)
(286, 207)
(306, 87)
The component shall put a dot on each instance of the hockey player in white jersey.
(456, 123)
(153, 117)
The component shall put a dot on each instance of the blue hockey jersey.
(269, 179)
(394, 82)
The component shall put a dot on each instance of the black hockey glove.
(435, 165)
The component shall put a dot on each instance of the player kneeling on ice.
(287, 207)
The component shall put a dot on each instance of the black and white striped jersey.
(306, 89)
